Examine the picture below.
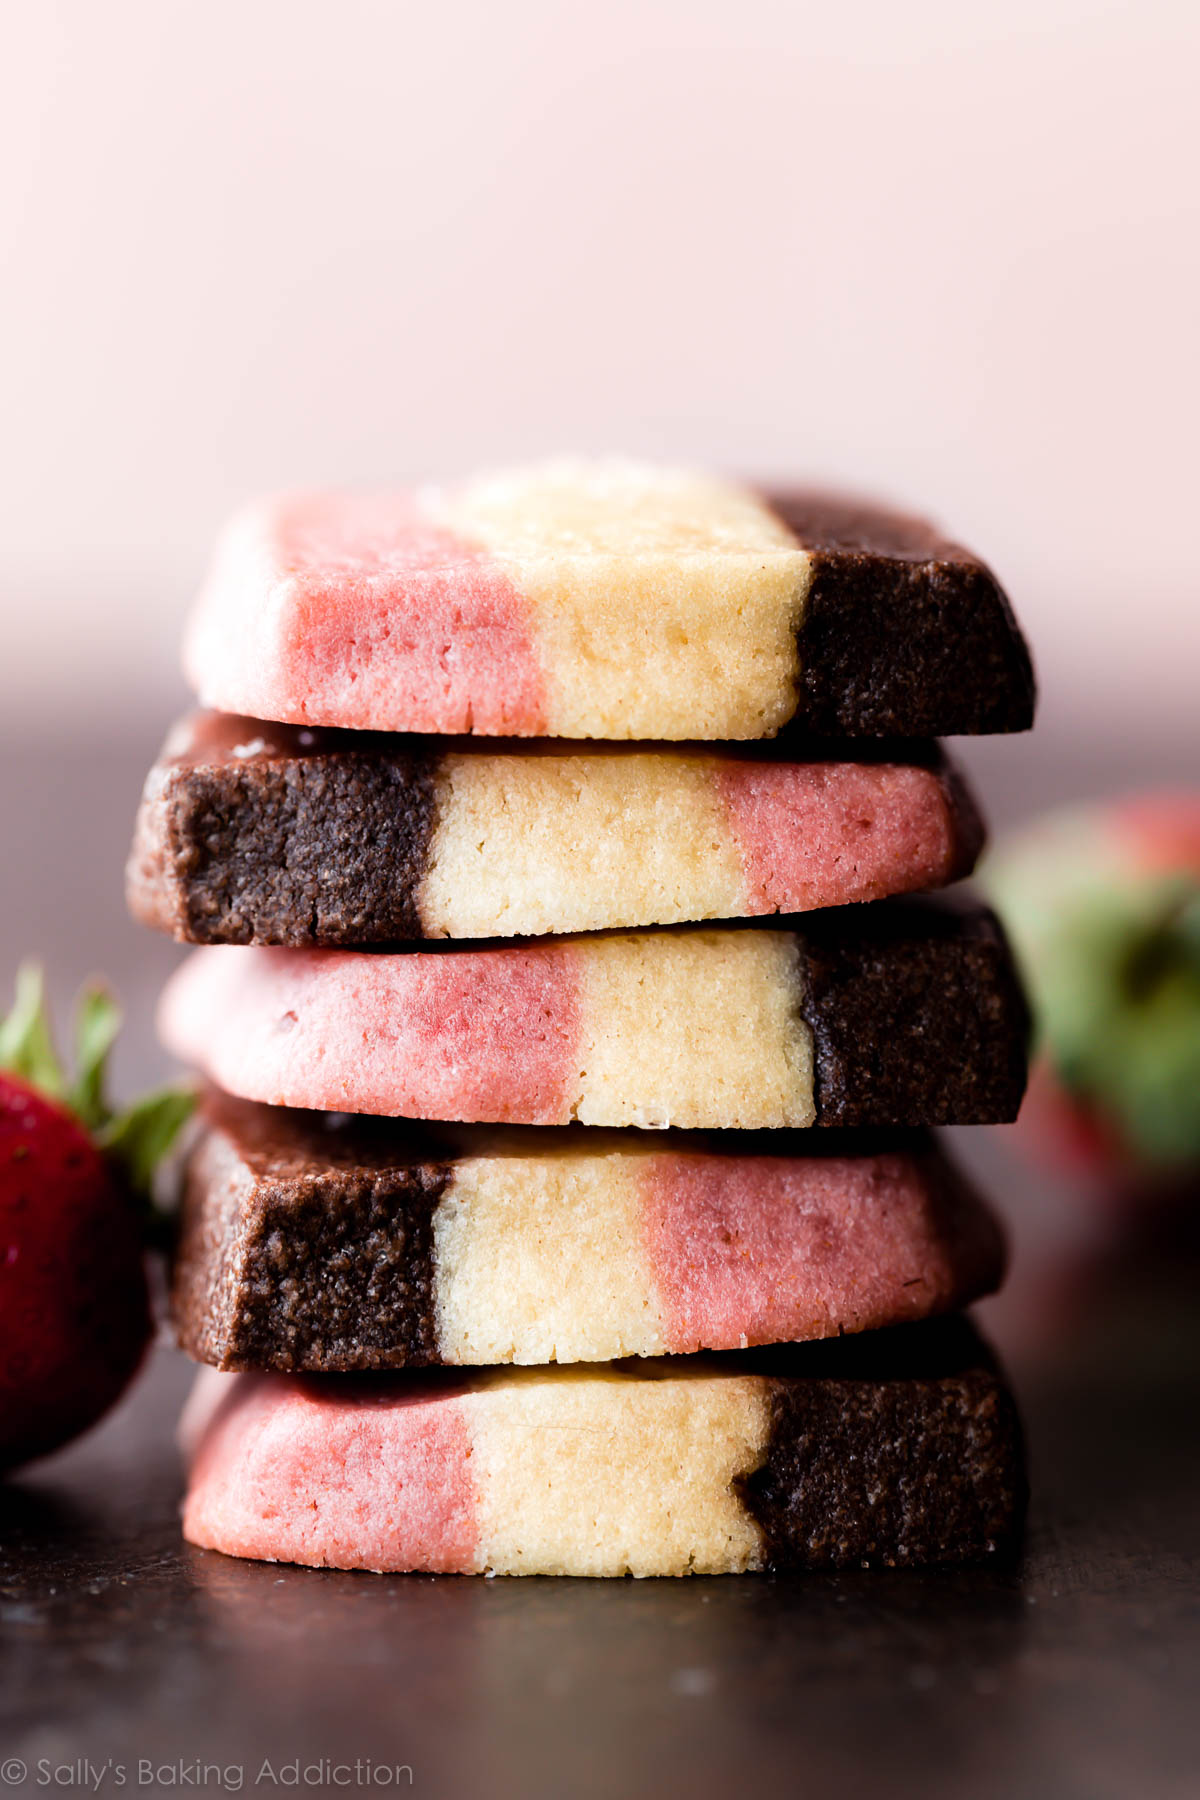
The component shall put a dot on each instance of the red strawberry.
(1102, 903)
(74, 1189)
(1162, 829)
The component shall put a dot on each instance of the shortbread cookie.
(604, 600)
(900, 1014)
(310, 1244)
(897, 1447)
(252, 833)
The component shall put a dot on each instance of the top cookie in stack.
(605, 601)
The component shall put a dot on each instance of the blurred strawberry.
(1103, 906)
(75, 1210)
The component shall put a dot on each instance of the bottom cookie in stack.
(313, 1243)
(896, 1447)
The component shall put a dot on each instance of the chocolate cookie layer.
(918, 1420)
(907, 1013)
(304, 1246)
(903, 631)
(916, 1013)
(308, 1243)
(812, 1456)
(253, 833)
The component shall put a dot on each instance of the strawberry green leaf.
(26, 1040)
(98, 1020)
(139, 1138)
(134, 1141)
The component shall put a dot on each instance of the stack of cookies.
(545, 1225)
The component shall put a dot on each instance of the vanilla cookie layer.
(690, 580)
(570, 841)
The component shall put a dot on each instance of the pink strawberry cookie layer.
(360, 609)
(759, 1250)
(826, 834)
(457, 1035)
(295, 1472)
(694, 1028)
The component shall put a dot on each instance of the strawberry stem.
(140, 1137)
(136, 1140)
(27, 1040)
(97, 1022)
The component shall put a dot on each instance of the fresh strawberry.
(1103, 906)
(1162, 830)
(75, 1209)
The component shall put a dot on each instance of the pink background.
(943, 251)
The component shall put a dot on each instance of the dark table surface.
(133, 1661)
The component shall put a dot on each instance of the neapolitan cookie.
(252, 833)
(604, 600)
(904, 1013)
(314, 1244)
(895, 1447)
